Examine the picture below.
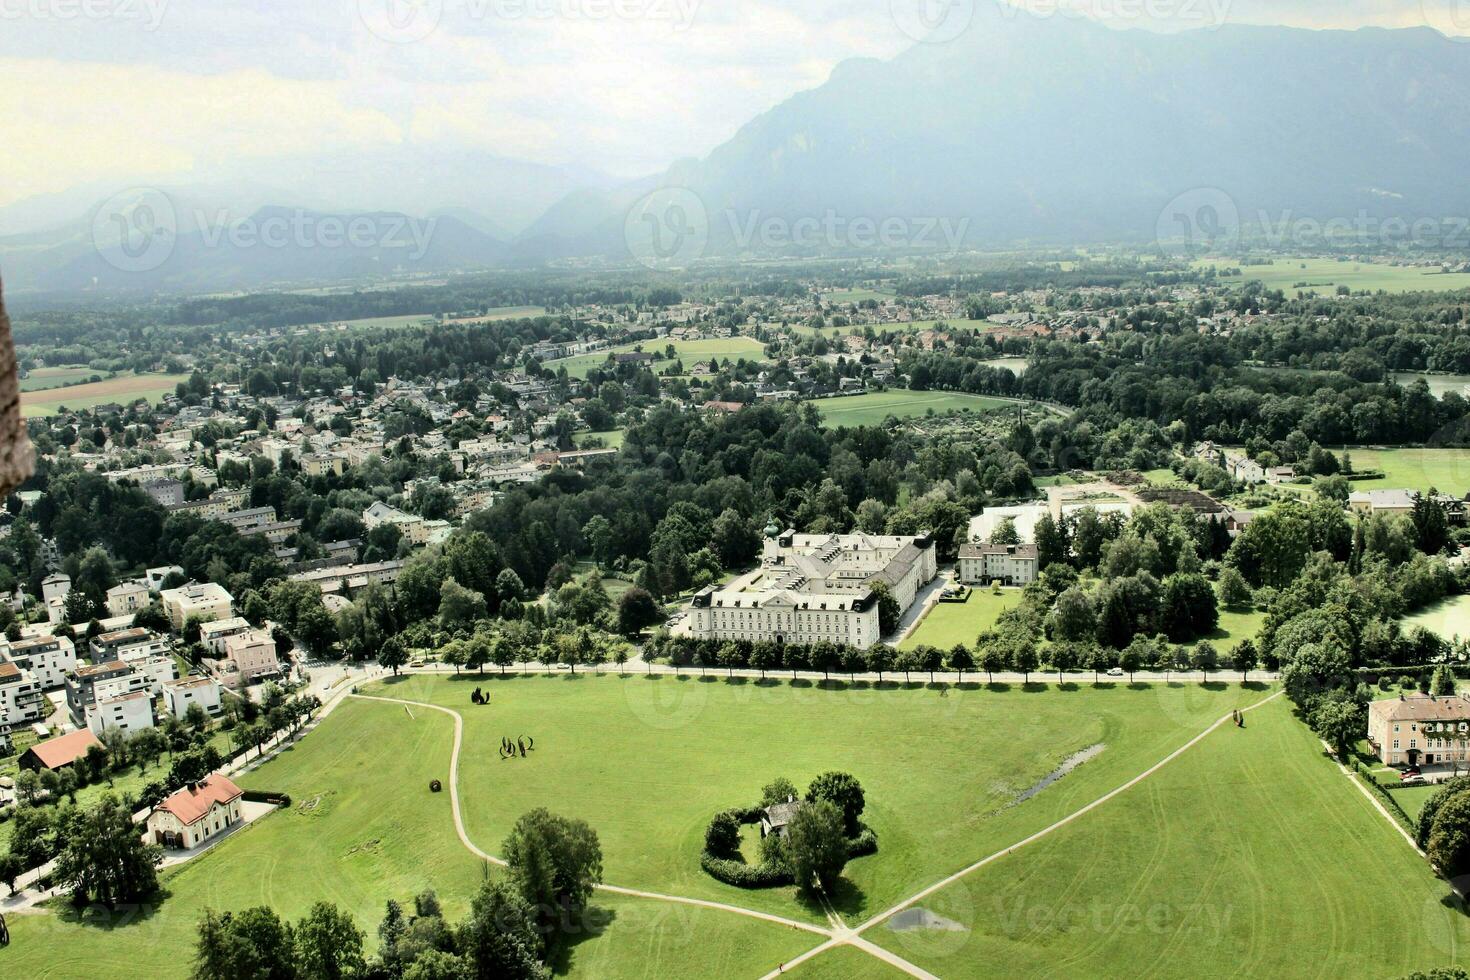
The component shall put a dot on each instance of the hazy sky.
(102, 90)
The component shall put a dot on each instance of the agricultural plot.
(1219, 857)
(1323, 276)
(873, 407)
(122, 389)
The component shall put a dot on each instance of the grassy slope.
(648, 761)
(874, 407)
(1250, 855)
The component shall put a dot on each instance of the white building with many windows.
(1008, 564)
(814, 588)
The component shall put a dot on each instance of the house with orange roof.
(59, 752)
(196, 813)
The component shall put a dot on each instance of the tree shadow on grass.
(1104, 686)
(801, 682)
(1256, 686)
(1069, 686)
(98, 916)
(998, 687)
(737, 681)
(1139, 686)
(1035, 687)
(847, 899)
(591, 923)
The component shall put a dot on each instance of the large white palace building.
(815, 587)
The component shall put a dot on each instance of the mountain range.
(1021, 130)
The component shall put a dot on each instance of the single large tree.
(843, 791)
(554, 861)
(816, 846)
(104, 858)
(500, 937)
(328, 944)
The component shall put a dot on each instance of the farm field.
(873, 407)
(123, 389)
(57, 377)
(1447, 470)
(857, 295)
(1215, 864)
(1439, 384)
(948, 623)
(363, 827)
(1325, 275)
(689, 352)
(647, 761)
(1450, 618)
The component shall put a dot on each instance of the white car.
(1115, 672)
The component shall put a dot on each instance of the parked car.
(1412, 779)
(1115, 671)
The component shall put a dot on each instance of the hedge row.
(742, 875)
(865, 843)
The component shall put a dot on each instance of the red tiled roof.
(194, 803)
(64, 750)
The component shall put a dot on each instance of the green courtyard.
(875, 406)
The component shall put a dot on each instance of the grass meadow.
(1323, 276)
(1248, 853)
(873, 407)
(122, 389)
(1447, 470)
(689, 353)
(948, 623)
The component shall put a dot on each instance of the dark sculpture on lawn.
(508, 748)
(479, 698)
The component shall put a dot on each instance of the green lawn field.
(1323, 276)
(363, 828)
(647, 761)
(1250, 855)
(611, 439)
(856, 295)
(1450, 618)
(123, 389)
(57, 377)
(1447, 470)
(948, 623)
(912, 326)
(873, 407)
(689, 353)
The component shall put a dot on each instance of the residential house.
(203, 601)
(60, 752)
(196, 813)
(127, 598)
(1420, 729)
(203, 691)
(1009, 564)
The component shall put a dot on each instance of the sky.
(98, 91)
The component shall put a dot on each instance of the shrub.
(865, 843)
(742, 875)
(722, 837)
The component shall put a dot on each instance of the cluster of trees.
(514, 922)
(100, 855)
(824, 832)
